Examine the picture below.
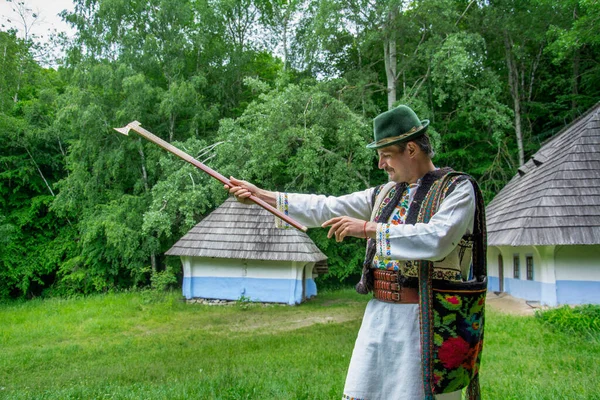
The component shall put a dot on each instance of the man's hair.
(424, 144)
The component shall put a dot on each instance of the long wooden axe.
(136, 126)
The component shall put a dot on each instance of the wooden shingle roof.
(239, 231)
(555, 197)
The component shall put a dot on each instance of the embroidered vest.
(451, 311)
(450, 267)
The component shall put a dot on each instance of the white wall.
(232, 279)
(578, 263)
(578, 274)
(561, 274)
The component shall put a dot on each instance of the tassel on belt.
(387, 288)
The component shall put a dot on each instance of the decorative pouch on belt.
(452, 313)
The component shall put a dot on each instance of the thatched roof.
(555, 197)
(239, 231)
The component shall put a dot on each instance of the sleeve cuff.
(382, 241)
(283, 206)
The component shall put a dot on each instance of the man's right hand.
(242, 190)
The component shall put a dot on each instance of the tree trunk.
(144, 173)
(284, 39)
(1, 87)
(147, 188)
(575, 82)
(153, 261)
(513, 83)
(171, 127)
(389, 52)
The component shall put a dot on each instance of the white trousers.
(450, 396)
(386, 360)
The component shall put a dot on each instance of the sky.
(47, 11)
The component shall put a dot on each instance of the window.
(516, 272)
(529, 263)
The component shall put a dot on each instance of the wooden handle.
(135, 125)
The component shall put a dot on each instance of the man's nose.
(381, 164)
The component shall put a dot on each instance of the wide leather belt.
(386, 288)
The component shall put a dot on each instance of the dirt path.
(505, 303)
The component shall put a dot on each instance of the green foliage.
(297, 138)
(577, 33)
(300, 139)
(163, 280)
(344, 260)
(581, 320)
(281, 93)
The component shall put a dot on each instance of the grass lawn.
(146, 346)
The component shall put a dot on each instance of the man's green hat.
(398, 125)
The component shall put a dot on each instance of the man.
(422, 334)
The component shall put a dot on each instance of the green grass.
(147, 346)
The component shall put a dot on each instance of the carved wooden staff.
(136, 126)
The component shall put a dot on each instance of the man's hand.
(242, 190)
(348, 226)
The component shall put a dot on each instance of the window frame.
(517, 266)
(529, 267)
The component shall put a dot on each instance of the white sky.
(47, 11)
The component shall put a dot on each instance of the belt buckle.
(395, 296)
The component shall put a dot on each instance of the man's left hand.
(346, 226)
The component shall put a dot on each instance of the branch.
(464, 12)
(40, 172)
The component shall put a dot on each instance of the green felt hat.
(398, 125)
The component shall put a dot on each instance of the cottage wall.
(561, 274)
(541, 288)
(263, 281)
(578, 274)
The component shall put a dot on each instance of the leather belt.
(386, 288)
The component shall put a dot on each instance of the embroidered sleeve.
(312, 210)
(283, 206)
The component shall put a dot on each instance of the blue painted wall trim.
(493, 283)
(528, 290)
(578, 292)
(263, 290)
(563, 292)
(311, 288)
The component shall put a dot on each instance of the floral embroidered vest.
(451, 310)
(454, 267)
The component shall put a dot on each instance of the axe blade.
(125, 130)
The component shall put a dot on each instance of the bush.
(163, 280)
(583, 320)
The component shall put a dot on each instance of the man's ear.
(412, 149)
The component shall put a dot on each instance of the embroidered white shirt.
(432, 241)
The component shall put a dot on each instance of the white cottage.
(544, 226)
(237, 253)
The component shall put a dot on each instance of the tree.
(518, 28)
(279, 16)
(31, 163)
(575, 39)
(298, 138)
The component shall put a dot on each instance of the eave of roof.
(238, 231)
(555, 197)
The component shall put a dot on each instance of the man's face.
(394, 162)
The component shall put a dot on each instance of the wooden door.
(500, 274)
